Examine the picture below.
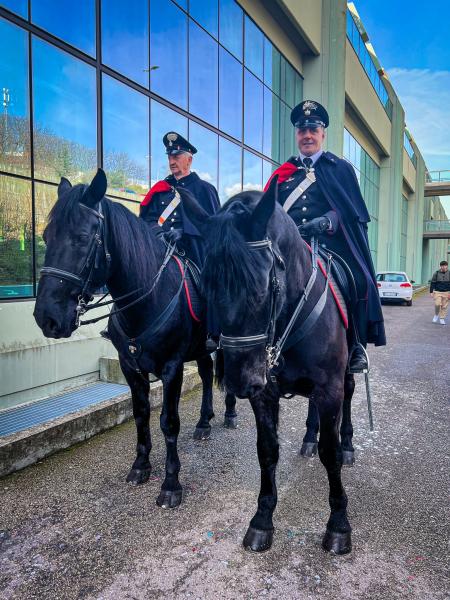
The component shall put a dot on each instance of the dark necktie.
(307, 162)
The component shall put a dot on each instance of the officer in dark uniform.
(321, 193)
(162, 207)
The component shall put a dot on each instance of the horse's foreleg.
(259, 535)
(205, 370)
(171, 491)
(230, 420)
(140, 388)
(309, 445)
(337, 538)
(348, 452)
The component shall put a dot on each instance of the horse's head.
(244, 281)
(74, 260)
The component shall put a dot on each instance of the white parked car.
(395, 286)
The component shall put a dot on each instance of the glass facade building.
(104, 90)
(368, 175)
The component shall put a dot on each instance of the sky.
(412, 41)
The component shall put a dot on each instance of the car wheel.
(409, 303)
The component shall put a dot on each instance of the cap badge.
(308, 106)
(171, 137)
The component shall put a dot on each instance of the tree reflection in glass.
(65, 123)
(125, 140)
(15, 110)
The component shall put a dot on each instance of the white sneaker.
(442, 321)
(435, 319)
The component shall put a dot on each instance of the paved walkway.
(71, 528)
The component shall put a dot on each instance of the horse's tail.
(219, 370)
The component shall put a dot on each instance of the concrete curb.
(26, 447)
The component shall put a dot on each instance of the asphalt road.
(71, 527)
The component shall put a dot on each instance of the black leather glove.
(315, 227)
(173, 235)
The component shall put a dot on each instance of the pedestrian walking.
(440, 290)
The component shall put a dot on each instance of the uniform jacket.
(336, 194)
(160, 195)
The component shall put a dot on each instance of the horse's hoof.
(348, 458)
(202, 433)
(308, 449)
(169, 499)
(337, 543)
(258, 540)
(230, 422)
(138, 476)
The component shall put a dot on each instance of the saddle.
(342, 275)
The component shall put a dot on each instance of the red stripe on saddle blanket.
(186, 290)
(340, 303)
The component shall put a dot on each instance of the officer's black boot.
(105, 334)
(358, 360)
(211, 344)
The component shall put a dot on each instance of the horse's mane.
(229, 261)
(132, 237)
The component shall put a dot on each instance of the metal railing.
(436, 176)
(436, 225)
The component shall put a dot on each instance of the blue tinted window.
(205, 13)
(230, 169)
(18, 6)
(230, 94)
(16, 270)
(168, 51)
(253, 111)
(182, 3)
(271, 130)
(163, 119)
(252, 179)
(203, 75)
(125, 139)
(268, 169)
(65, 123)
(231, 25)
(205, 160)
(73, 22)
(15, 110)
(289, 94)
(125, 38)
(254, 44)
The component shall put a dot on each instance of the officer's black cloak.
(205, 194)
(337, 181)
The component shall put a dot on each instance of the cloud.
(425, 96)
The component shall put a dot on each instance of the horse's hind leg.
(348, 452)
(259, 535)
(230, 420)
(309, 446)
(205, 370)
(171, 491)
(337, 538)
(140, 388)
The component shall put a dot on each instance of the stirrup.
(211, 345)
(358, 369)
(105, 334)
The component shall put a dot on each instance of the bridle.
(84, 278)
(273, 351)
(267, 338)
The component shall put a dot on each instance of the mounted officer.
(162, 206)
(321, 193)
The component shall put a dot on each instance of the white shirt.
(315, 157)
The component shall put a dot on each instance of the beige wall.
(409, 171)
(306, 15)
(365, 102)
(274, 31)
(32, 366)
(361, 136)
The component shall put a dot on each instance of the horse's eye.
(82, 238)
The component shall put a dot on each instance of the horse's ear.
(264, 209)
(96, 189)
(195, 213)
(64, 186)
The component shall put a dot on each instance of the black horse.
(92, 241)
(257, 270)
